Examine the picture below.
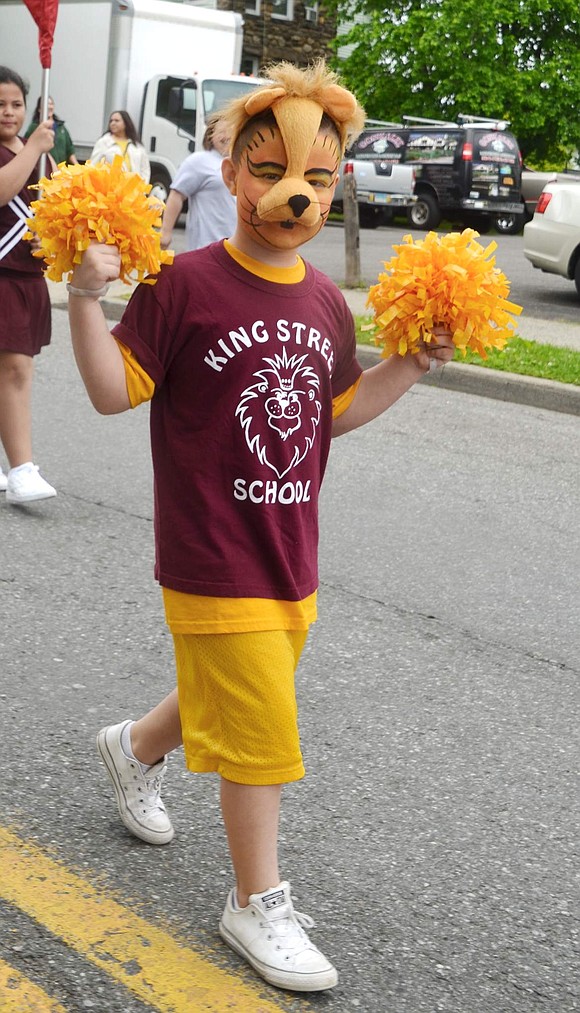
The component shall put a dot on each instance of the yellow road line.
(20, 995)
(149, 962)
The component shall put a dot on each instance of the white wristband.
(89, 293)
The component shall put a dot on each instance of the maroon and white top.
(245, 372)
(16, 255)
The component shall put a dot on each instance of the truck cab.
(173, 118)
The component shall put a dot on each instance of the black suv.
(469, 170)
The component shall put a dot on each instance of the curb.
(526, 390)
(455, 376)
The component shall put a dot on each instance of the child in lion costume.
(248, 357)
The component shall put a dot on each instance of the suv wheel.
(508, 225)
(424, 213)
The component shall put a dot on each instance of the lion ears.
(336, 101)
(292, 93)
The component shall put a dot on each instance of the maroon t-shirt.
(245, 372)
(15, 252)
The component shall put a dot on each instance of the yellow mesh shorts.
(237, 704)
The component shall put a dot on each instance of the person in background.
(211, 210)
(122, 139)
(25, 321)
(63, 148)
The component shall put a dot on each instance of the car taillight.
(348, 168)
(543, 202)
(467, 152)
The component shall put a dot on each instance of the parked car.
(469, 169)
(552, 238)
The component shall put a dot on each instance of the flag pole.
(44, 96)
(45, 13)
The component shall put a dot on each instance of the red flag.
(44, 13)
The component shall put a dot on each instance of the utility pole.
(351, 230)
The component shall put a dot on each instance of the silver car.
(552, 238)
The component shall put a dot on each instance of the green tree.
(512, 59)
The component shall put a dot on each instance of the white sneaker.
(138, 794)
(3, 481)
(270, 935)
(25, 485)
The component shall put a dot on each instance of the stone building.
(296, 30)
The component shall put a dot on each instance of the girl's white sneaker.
(26, 485)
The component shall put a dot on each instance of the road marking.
(20, 995)
(154, 966)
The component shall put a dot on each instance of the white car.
(552, 238)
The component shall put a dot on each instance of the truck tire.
(160, 183)
(424, 213)
(509, 225)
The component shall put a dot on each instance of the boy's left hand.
(438, 352)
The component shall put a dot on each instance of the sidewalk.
(528, 390)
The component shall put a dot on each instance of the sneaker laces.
(152, 781)
(288, 925)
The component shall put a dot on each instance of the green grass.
(532, 359)
(528, 358)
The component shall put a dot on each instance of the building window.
(311, 12)
(252, 6)
(250, 66)
(283, 9)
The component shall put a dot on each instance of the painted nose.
(299, 203)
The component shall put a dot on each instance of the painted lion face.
(284, 199)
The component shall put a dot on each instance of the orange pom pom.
(450, 280)
(80, 203)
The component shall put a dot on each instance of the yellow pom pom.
(450, 280)
(80, 203)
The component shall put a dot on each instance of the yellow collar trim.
(280, 275)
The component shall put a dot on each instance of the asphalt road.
(546, 296)
(435, 836)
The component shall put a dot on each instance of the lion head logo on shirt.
(283, 405)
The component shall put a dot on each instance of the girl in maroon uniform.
(25, 318)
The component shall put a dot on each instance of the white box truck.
(136, 55)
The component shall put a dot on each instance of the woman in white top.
(211, 209)
(122, 139)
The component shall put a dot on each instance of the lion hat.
(298, 99)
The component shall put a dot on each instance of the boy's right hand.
(101, 264)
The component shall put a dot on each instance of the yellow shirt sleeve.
(342, 402)
(140, 386)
